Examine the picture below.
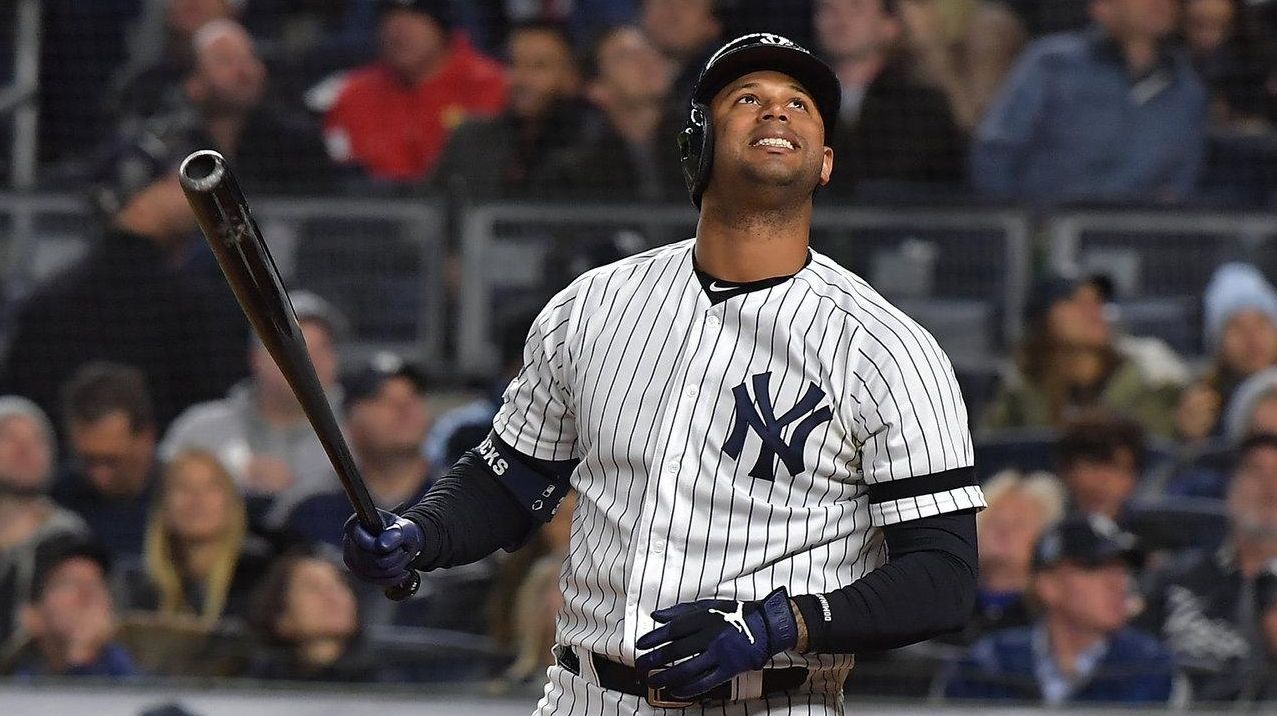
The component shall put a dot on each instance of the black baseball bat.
(227, 224)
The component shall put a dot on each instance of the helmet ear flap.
(696, 151)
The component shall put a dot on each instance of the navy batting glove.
(384, 558)
(706, 643)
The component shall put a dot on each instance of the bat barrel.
(202, 170)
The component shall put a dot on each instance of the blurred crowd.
(165, 508)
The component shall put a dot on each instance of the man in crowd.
(686, 32)
(1204, 608)
(1108, 113)
(71, 619)
(29, 520)
(111, 429)
(1100, 458)
(543, 116)
(1081, 649)
(392, 118)
(896, 129)
(386, 418)
(627, 153)
(259, 430)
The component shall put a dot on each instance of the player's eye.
(747, 99)
(798, 103)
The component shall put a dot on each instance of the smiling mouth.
(778, 142)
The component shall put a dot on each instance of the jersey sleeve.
(916, 453)
(537, 416)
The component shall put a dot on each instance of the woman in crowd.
(199, 560)
(1070, 360)
(1240, 317)
(306, 609)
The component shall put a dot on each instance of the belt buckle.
(655, 698)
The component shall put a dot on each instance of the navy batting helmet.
(745, 54)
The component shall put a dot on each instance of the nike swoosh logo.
(713, 286)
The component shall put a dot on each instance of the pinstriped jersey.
(729, 448)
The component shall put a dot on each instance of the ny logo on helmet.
(769, 39)
(758, 414)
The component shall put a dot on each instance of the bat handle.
(404, 589)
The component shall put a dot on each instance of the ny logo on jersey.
(758, 414)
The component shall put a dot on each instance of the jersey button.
(658, 546)
(672, 466)
(713, 321)
(691, 391)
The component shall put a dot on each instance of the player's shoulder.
(598, 283)
(852, 295)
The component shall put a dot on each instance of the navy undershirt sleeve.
(926, 588)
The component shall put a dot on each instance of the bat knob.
(404, 589)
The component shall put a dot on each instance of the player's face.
(1094, 599)
(768, 132)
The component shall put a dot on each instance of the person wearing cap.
(392, 118)
(69, 623)
(1080, 650)
(259, 431)
(1070, 358)
(1239, 309)
(386, 418)
(1202, 606)
(772, 465)
(1253, 681)
(29, 520)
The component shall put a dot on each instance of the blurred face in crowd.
(1085, 598)
(159, 212)
(631, 71)
(319, 604)
(1009, 527)
(323, 355)
(73, 618)
(1263, 417)
(1268, 622)
(229, 77)
(1207, 24)
(1079, 319)
(26, 455)
(542, 70)
(680, 28)
(761, 106)
(198, 499)
(1137, 19)
(410, 42)
(854, 29)
(1101, 487)
(1252, 497)
(116, 456)
(1249, 342)
(186, 16)
(391, 423)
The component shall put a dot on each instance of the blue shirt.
(1072, 124)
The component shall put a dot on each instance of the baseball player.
(772, 463)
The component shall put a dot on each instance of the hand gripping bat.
(227, 224)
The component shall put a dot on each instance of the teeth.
(774, 142)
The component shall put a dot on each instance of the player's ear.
(827, 166)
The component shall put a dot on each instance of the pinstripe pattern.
(631, 370)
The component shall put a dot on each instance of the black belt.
(626, 679)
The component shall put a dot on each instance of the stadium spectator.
(1234, 58)
(70, 620)
(543, 115)
(489, 22)
(111, 432)
(1020, 508)
(259, 431)
(124, 301)
(627, 152)
(163, 54)
(305, 609)
(1100, 457)
(1202, 606)
(386, 417)
(29, 521)
(1108, 113)
(393, 117)
(1081, 649)
(199, 562)
(1240, 317)
(687, 32)
(1070, 359)
(963, 47)
(891, 128)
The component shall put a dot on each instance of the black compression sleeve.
(466, 516)
(926, 588)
